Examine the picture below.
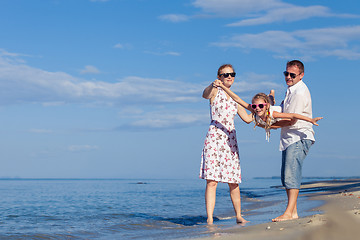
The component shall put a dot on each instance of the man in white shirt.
(296, 139)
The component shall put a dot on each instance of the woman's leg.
(236, 201)
(210, 197)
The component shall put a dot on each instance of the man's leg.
(292, 195)
(291, 209)
(291, 172)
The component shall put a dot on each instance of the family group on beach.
(220, 156)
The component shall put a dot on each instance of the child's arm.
(283, 123)
(293, 116)
(234, 96)
(279, 124)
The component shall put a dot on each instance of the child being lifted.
(264, 114)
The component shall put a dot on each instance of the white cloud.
(170, 53)
(285, 14)
(37, 130)
(123, 46)
(236, 8)
(5, 53)
(165, 119)
(82, 148)
(22, 83)
(174, 18)
(119, 45)
(275, 41)
(51, 104)
(263, 11)
(253, 82)
(90, 70)
(338, 42)
(126, 111)
(343, 53)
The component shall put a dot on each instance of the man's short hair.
(296, 63)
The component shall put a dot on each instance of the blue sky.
(112, 88)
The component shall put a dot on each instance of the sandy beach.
(340, 218)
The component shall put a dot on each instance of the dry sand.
(340, 219)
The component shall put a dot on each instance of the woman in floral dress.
(220, 156)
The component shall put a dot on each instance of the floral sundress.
(220, 156)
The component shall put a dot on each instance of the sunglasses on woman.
(261, 105)
(292, 75)
(227, 74)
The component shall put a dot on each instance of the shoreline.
(339, 217)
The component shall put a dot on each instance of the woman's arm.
(244, 115)
(296, 116)
(210, 92)
(233, 95)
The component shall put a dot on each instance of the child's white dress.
(272, 120)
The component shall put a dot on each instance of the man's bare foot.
(241, 220)
(283, 217)
(210, 221)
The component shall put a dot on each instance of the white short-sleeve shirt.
(297, 100)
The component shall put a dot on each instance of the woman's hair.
(266, 99)
(224, 66)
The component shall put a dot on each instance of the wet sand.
(340, 218)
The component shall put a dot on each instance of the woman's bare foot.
(241, 220)
(210, 221)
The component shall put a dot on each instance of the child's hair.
(224, 66)
(266, 99)
(262, 96)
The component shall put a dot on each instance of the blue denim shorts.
(292, 161)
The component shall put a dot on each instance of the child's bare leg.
(210, 197)
(291, 209)
(236, 201)
(272, 97)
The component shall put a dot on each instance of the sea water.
(128, 208)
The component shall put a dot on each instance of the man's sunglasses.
(261, 105)
(227, 74)
(292, 75)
